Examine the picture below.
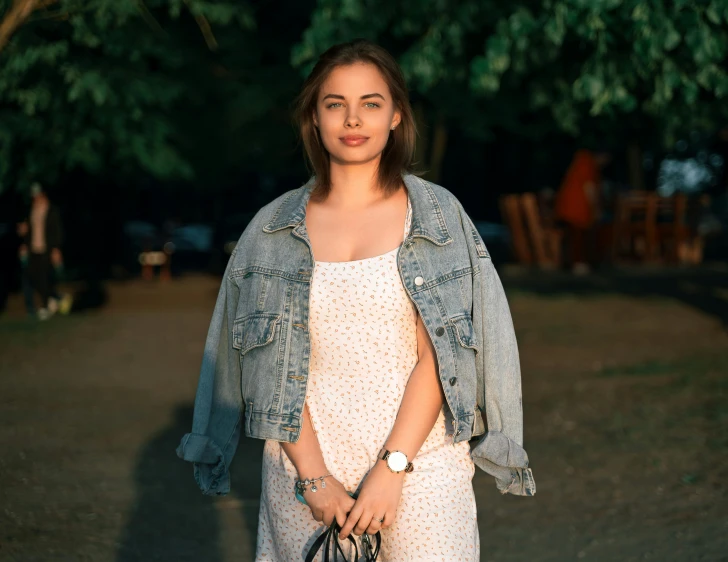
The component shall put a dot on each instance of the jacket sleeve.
(499, 452)
(215, 434)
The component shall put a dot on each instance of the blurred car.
(497, 240)
(225, 237)
(189, 246)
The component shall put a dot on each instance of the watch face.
(397, 461)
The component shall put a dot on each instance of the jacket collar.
(427, 220)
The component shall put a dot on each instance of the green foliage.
(564, 60)
(180, 89)
(99, 85)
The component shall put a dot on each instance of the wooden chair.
(513, 216)
(545, 238)
(635, 226)
(533, 238)
(671, 227)
(654, 228)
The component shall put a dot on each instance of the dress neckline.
(385, 254)
(363, 259)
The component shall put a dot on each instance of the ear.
(315, 119)
(396, 119)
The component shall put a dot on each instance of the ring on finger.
(380, 520)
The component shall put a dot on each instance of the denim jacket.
(255, 365)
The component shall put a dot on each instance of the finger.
(340, 517)
(351, 520)
(374, 526)
(364, 521)
(389, 518)
(349, 504)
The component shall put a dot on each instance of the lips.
(354, 140)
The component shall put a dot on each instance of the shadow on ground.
(170, 519)
(704, 289)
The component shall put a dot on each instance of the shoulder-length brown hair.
(399, 151)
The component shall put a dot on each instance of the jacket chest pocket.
(254, 330)
(465, 332)
(254, 335)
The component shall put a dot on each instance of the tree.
(530, 65)
(98, 85)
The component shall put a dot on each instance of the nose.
(352, 119)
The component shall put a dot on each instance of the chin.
(350, 157)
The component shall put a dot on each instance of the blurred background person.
(578, 206)
(41, 255)
(25, 283)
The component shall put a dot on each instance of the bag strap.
(332, 534)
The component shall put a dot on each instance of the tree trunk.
(635, 173)
(431, 144)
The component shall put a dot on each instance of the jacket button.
(453, 381)
(440, 331)
(419, 280)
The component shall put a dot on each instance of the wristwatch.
(396, 460)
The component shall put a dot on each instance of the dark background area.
(176, 114)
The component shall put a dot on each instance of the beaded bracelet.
(300, 487)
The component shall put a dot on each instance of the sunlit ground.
(625, 395)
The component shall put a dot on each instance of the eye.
(331, 105)
(372, 104)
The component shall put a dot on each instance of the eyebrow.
(367, 96)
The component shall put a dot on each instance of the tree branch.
(17, 15)
(205, 28)
(149, 18)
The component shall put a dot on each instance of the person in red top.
(577, 205)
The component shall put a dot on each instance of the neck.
(354, 185)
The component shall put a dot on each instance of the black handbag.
(329, 539)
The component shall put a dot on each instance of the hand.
(330, 502)
(378, 499)
(56, 257)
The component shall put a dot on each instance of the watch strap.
(384, 455)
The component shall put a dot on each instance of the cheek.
(330, 133)
(378, 122)
(329, 125)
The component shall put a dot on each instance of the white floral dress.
(363, 349)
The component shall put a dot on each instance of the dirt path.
(626, 403)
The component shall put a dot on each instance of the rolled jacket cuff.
(521, 483)
(210, 472)
(507, 461)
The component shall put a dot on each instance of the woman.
(334, 332)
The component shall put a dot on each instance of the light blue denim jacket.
(255, 366)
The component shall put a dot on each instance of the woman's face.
(355, 114)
